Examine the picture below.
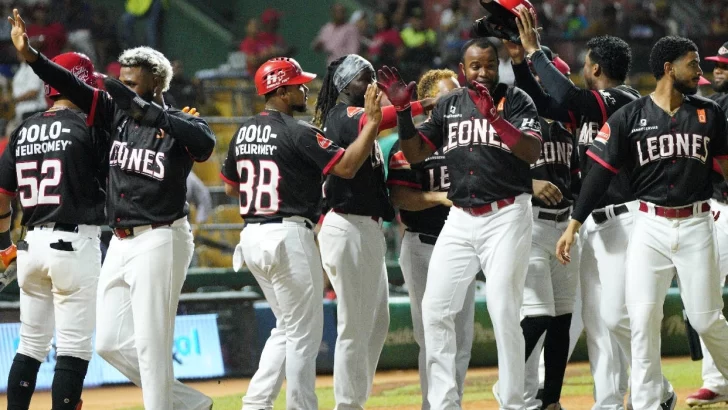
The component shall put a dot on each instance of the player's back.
(277, 176)
(58, 166)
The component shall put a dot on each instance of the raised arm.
(413, 144)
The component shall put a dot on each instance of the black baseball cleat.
(670, 403)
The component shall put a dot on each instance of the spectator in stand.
(607, 24)
(360, 19)
(338, 37)
(402, 10)
(103, 33)
(645, 25)
(576, 21)
(184, 91)
(28, 92)
(113, 69)
(199, 196)
(152, 10)
(262, 41)
(75, 15)
(386, 47)
(420, 44)
(455, 24)
(51, 35)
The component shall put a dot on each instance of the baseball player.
(715, 386)
(420, 192)
(152, 151)
(605, 235)
(59, 259)
(487, 129)
(666, 141)
(275, 166)
(550, 290)
(352, 243)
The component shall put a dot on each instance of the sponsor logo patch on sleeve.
(604, 133)
(323, 141)
(353, 111)
(398, 161)
(701, 116)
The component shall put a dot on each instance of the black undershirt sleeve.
(546, 105)
(592, 191)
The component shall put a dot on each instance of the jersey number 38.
(259, 186)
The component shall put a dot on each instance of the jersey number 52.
(35, 185)
(260, 186)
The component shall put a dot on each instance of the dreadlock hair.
(427, 86)
(328, 94)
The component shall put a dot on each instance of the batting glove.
(145, 112)
(10, 274)
(483, 101)
(9, 255)
(392, 85)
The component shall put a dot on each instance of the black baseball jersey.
(588, 110)
(148, 166)
(720, 186)
(428, 175)
(365, 194)
(278, 163)
(668, 159)
(57, 165)
(482, 168)
(558, 163)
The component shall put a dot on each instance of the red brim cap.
(703, 81)
(562, 66)
(302, 78)
(718, 59)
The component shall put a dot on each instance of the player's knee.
(34, 349)
(644, 316)
(105, 346)
(703, 322)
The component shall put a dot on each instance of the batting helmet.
(501, 23)
(79, 65)
(278, 72)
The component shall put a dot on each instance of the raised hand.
(527, 30)
(391, 84)
(191, 111)
(18, 33)
(483, 101)
(373, 104)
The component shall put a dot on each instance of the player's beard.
(684, 87)
(148, 96)
(721, 87)
(299, 108)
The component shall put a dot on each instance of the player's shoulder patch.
(604, 133)
(323, 142)
(354, 111)
(398, 161)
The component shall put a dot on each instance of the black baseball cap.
(722, 56)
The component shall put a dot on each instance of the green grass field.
(405, 394)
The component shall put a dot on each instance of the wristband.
(407, 128)
(8, 255)
(6, 215)
(509, 134)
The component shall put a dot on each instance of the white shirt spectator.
(199, 195)
(24, 81)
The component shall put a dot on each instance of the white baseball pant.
(658, 249)
(414, 259)
(139, 289)
(352, 251)
(712, 379)
(285, 261)
(58, 290)
(495, 243)
(550, 289)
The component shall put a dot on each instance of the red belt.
(123, 233)
(683, 212)
(487, 208)
(341, 211)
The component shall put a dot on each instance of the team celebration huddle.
(579, 205)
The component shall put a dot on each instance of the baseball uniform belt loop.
(427, 239)
(55, 226)
(123, 233)
(554, 215)
(373, 218)
(602, 216)
(681, 212)
(488, 208)
(280, 220)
